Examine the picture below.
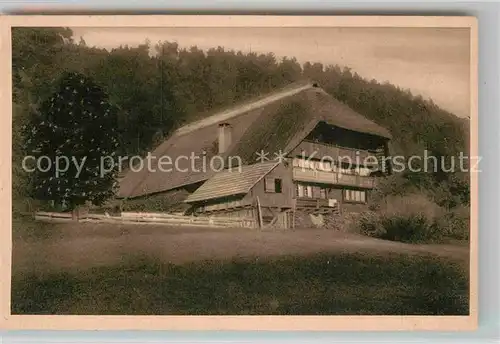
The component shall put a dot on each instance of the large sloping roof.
(231, 182)
(278, 121)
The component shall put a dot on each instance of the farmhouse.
(297, 150)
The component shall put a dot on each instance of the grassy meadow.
(320, 284)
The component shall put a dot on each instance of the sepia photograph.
(284, 170)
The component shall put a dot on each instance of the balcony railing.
(356, 180)
(334, 178)
(307, 175)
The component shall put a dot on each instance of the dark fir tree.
(79, 123)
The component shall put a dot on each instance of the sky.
(432, 62)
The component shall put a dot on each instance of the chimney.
(224, 137)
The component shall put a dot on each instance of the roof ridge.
(241, 109)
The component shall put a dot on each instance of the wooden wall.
(267, 199)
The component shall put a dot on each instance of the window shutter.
(269, 184)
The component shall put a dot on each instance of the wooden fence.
(151, 218)
(53, 217)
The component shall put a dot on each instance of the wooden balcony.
(354, 180)
(316, 176)
(333, 178)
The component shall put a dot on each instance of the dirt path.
(90, 245)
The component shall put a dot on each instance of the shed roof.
(232, 182)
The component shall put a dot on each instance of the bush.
(409, 228)
(456, 223)
(369, 223)
(405, 228)
(414, 218)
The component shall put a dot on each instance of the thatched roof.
(277, 122)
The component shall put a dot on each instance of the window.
(308, 191)
(322, 193)
(272, 185)
(355, 196)
(300, 190)
(303, 190)
(363, 196)
(277, 185)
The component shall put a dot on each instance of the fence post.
(260, 212)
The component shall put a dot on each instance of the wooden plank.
(53, 214)
(260, 213)
(52, 219)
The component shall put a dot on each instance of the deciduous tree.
(73, 137)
